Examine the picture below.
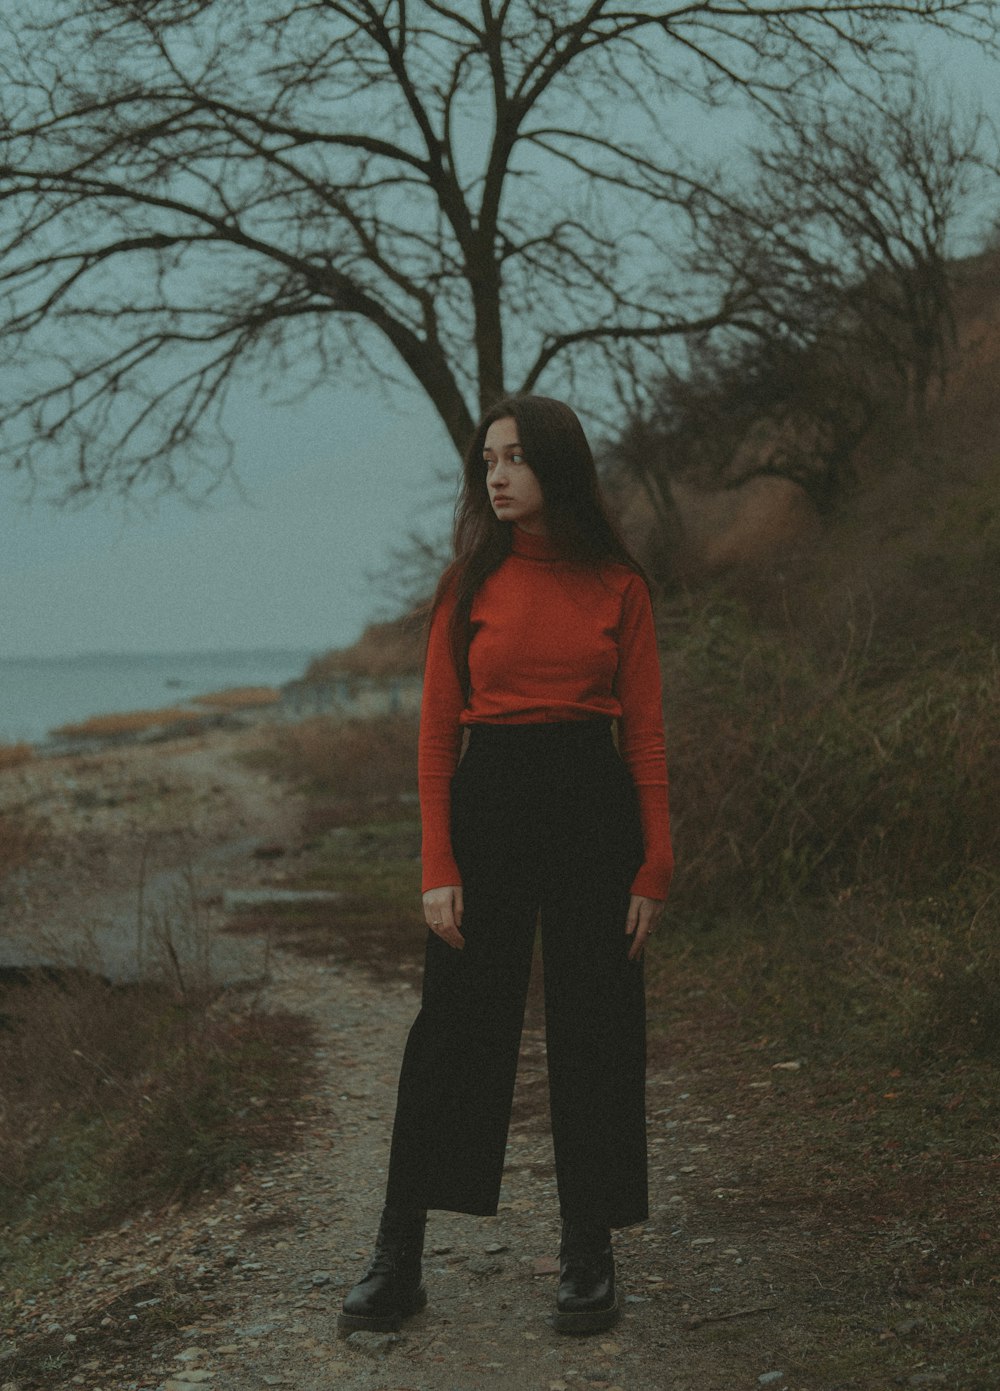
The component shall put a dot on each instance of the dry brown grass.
(131, 722)
(837, 840)
(120, 1095)
(349, 767)
(395, 648)
(810, 772)
(240, 698)
(13, 755)
(20, 837)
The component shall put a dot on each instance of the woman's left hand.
(643, 915)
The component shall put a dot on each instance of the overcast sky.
(329, 487)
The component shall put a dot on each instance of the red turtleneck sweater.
(551, 640)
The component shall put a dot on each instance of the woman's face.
(515, 492)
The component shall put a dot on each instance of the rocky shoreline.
(119, 832)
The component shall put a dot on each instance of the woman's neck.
(532, 545)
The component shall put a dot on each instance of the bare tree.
(854, 215)
(475, 197)
(844, 239)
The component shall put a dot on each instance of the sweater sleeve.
(640, 736)
(440, 743)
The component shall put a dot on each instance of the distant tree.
(843, 236)
(853, 222)
(476, 197)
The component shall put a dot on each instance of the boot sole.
(582, 1321)
(385, 1323)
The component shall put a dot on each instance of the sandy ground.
(135, 846)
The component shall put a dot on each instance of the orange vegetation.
(131, 722)
(13, 754)
(240, 698)
(395, 648)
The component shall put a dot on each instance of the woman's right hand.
(443, 913)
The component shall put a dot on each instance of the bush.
(20, 837)
(13, 755)
(795, 773)
(963, 993)
(116, 1096)
(836, 834)
(348, 767)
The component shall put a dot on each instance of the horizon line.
(81, 654)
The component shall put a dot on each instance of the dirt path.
(748, 1274)
(299, 1234)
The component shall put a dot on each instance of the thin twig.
(697, 1320)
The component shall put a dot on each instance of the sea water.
(38, 694)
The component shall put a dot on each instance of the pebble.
(909, 1326)
(192, 1355)
(374, 1344)
(769, 1378)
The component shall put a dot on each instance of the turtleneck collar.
(533, 547)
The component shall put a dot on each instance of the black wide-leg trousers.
(544, 824)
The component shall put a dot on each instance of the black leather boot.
(390, 1289)
(586, 1301)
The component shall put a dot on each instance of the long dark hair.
(575, 513)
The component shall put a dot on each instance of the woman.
(541, 637)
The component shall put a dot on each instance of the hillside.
(914, 546)
(921, 536)
(393, 648)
